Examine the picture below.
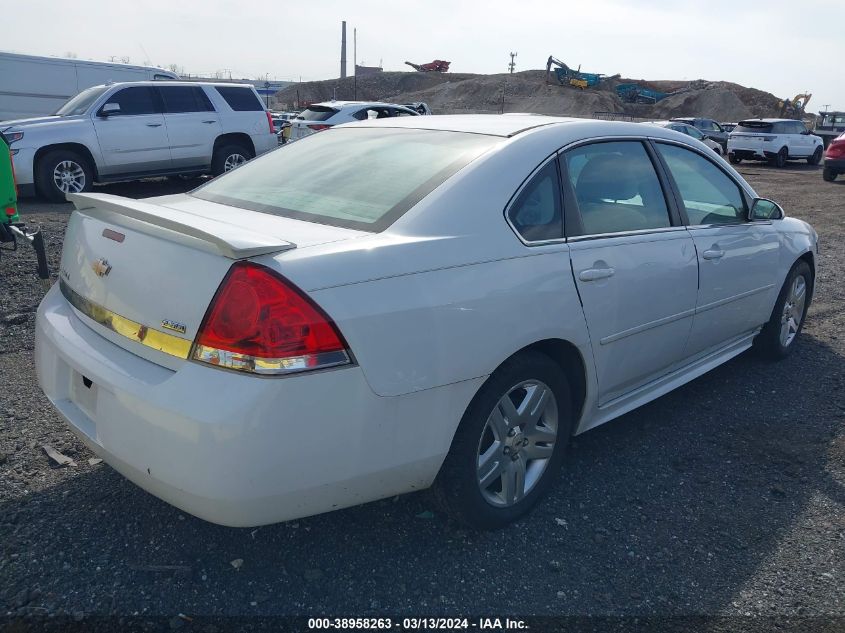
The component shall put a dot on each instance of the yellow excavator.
(794, 108)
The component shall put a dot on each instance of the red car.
(834, 159)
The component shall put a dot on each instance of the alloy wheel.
(232, 161)
(793, 311)
(69, 177)
(517, 443)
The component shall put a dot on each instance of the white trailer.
(32, 86)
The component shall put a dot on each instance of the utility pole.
(355, 63)
(512, 65)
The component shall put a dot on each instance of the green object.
(8, 192)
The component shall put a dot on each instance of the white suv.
(126, 131)
(774, 140)
(322, 116)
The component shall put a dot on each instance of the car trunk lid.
(142, 273)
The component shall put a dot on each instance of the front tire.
(228, 156)
(510, 444)
(828, 174)
(816, 158)
(61, 172)
(735, 160)
(778, 336)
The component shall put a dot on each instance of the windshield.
(363, 178)
(755, 127)
(81, 102)
(316, 113)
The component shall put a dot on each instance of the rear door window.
(317, 113)
(616, 187)
(708, 194)
(184, 99)
(240, 98)
(133, 101)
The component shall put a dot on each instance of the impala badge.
(174, 325)
(101, 267)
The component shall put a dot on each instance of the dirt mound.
(527, 91)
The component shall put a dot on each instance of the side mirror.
(705, 137)
(764, 209)
(109, 109)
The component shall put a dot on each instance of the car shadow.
(670, 509)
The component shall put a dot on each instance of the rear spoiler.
(228, 240)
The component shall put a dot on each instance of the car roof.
(176, 82)
(768, 120)
(492, 124)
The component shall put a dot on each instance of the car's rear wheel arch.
(234, 138)
(77, 148)
(569, 359)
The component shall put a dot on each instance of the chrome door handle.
(153, 124)
(713, 254)
(593, 274)
(212, 121)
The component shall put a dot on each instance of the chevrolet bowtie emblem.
(101, 267)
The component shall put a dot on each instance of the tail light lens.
(270, 122)
(836, 150)
(259, 322)
(318, 127)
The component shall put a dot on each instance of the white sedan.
(417, 302)
(322, 116)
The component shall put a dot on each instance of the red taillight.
(270, 122)
(260, 322)
(318, 127)
(836, 150)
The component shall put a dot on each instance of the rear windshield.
(81, 102)
(361, 178)
(240, 99)
(316, 113)
(755, 127)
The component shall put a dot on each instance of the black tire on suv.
(780, 158)
(62, 171)
(816, 158)
(735, 160)
(228, 156)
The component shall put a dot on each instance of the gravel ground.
(723, 498)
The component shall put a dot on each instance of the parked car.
(321, 116)
(834, 159)
(133, 130)
(713, 129)
(727, 127)
(34, 86)
(689, 130)
(774, 140)
(397, 304)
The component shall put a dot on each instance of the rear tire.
(512, 437)
(816, 158)
(228, 156)
(778, 336)
(828, 174)
(61, 172)
(735, 160)
(779, 160)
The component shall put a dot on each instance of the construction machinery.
(794, 108)
(637, 93)
(567, 76)
(437, 66)
(11, 228)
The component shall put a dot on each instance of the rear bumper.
(234, 449)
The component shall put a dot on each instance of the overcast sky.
(783, 47)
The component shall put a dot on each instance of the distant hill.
(449, 93)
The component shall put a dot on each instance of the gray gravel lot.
(723, 498)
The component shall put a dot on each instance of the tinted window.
(357, 178)
(184, 99)
(317, 113)
(693, 132)
(135, 100)
(709, 195)
(616, 188)
(755, 127)
(799, 126)
(536, 213)
(240, 99)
